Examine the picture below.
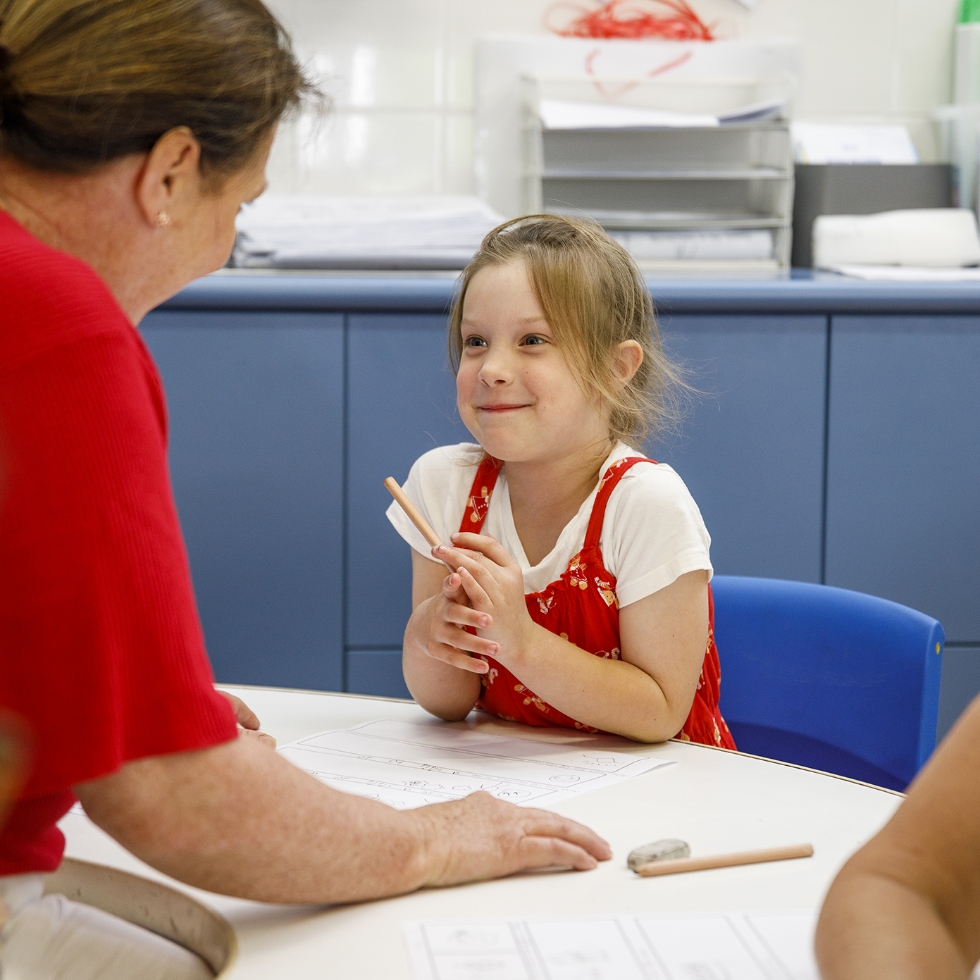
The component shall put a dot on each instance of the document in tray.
(409, 764)
(733, 946)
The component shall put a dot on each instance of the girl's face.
(516, 392)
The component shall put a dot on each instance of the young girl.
(578, 586)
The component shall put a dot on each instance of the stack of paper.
(938, 243)
(734, 245)
(438, 232)
(565, 114)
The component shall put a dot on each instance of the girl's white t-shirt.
(652, 532)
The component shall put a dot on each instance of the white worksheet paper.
(408, 764)
(707, 946)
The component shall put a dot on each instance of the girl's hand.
(437, 628)
(494, 586)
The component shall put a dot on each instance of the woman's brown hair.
(594, 298)
(85, 81)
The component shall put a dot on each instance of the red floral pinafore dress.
(582, 608)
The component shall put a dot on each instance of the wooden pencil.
(680, 865)
(413, 512)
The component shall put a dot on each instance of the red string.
(624, 87)
(627, 19)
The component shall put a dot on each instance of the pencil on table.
(724, 860)
(413, 512)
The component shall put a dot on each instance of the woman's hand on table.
(240, 820)
(248, 722)
(480, 837)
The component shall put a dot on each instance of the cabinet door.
(751, 448)
(401, 403)
(903, 492)
(256, 456)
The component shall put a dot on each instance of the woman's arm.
(443, 678)
(240, 820)
(907, 905)
(646, 695)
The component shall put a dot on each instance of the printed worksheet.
(734, 946)
(409, 764)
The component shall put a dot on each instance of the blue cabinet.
(903, 491)
(751, 449)
(837, 448)
(255, 403)
(401, 403)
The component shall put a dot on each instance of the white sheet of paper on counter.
(907, 273)
(564, 114)
(410, 764)
(734, 946)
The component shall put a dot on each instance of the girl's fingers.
(452, 588)
(485, 545)
(456, 658)
(460, 615)
(464, 641)
(475, 591)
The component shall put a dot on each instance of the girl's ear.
(627, 360)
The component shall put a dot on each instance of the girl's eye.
(474, 342)
(534, 340)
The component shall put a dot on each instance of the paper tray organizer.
(730, 177)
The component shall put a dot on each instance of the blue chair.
(827, 678)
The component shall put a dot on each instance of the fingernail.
(483, 669)
(454, 535)
(439, 549)
(494, 648)
(484, 621)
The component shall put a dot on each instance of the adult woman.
(132, 131)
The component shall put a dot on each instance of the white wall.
(403, 78)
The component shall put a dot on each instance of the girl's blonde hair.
(593, 296)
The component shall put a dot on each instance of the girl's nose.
(495, 369)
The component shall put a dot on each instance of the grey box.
(862, 188)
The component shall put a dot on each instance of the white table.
(717, 801)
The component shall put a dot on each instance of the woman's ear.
(627, 361)
(170, 178)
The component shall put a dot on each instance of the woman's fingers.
(263, 738)
(244, 715)
(493, 838)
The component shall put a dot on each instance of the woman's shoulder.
(50, 298)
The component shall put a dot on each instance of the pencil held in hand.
(413, 512)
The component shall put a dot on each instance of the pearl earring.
(163, 219)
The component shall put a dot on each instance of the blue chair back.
(828, 678)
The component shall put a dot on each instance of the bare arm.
(239, 819)
(907, 905)
(446, 685)
(646, 695)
